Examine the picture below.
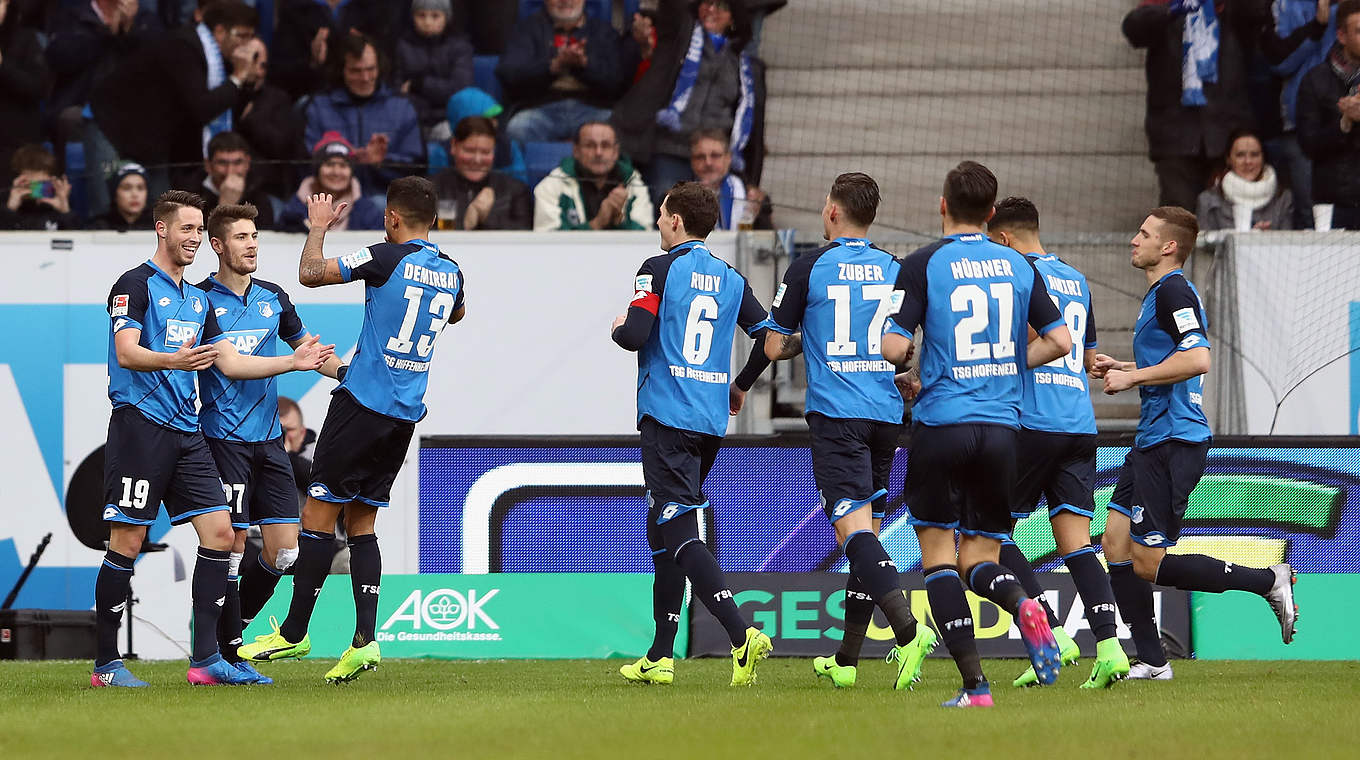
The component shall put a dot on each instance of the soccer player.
(412, 292)
(841, 296)
(240, 420)
(685, 308)
(1171, 356)
(972, 298)
(156, 452)
(1056, 454)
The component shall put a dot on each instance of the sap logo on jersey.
(246, 341)
(179, 333)
(442, 610)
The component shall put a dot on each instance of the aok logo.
(443, 610)
(246, 341)
(178, 332)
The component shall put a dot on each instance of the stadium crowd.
(535, 114)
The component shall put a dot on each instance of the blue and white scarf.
(1199, 48)
(669, 117)
(217, 74)
(731, 202)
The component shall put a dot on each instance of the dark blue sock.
(258, 582)
(1014, 560)
(365, 575)
(875, 569)
(668, 595)
(1093, 585)
(110, 603)
(315, 551)
(992, 581)
(954, 621)
(1134, 596)
(209, 592)
(711, 588)
(229, 625)
(859, 610)
(1196, 572)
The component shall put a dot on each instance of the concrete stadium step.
(898, 82)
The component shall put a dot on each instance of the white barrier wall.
(533, 356)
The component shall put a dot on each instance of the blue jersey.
(246, 410)
(1057, 396)
(683, 368)
(972, 297)
(170, 315)
(412, 290)
(841, 295)
(1171, 320)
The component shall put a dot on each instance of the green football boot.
(911, 655)
(660, 672)
(842, 676)
(353, 662)
(744, 658)
(1111, 665)
(1068, 654)
(273, 646)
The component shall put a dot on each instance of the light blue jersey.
(1057, 396)
(1171, 320)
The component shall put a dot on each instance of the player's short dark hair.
(576, 138)
(229, 14)
(474, 125)
(33, 158)
(223, 217)
(857, 195)
(414, 198)
(970, 192)
(696, 206)
(349, 46)
(227, 142)
(1344, 10)
(1178, 225)
(172, 201)
(1015, 213)
(710, 133)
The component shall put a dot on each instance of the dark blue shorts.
(1154, 489)
(1059, 467)
(258, 478)
(146, 464)
(851, 462)
(962, 477)
(358, 454)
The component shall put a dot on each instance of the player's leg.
(229, 625)
(1132, 594)
(1035, 466)
(111, 591)
(234, 464)
(1173, 469)
(274, 508)
(668, 595)
(1072, 530)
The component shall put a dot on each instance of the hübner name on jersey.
(860, 365)
(710, 282)
(976, 371)
(1058, 378)
(408, 364)
(969, 269)
(861, 272)
(1066, 287)
(703, 376)
(446, 280)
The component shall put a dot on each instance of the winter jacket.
(512, 208)
(23, 82)
(1216, 211)
(1335, 154)
(298, 21)
(360, 214)
(254, 194)
(1176, 130)
(436, 67)
(84, 50)
(274, 130)
(1298, 43)
(524, 69)
(387, 112)
(558, 204)
(32, 215)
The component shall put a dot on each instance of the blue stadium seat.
(437, 156)
(542, 157)
(484, 76)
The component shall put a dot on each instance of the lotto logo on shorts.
(178, 332)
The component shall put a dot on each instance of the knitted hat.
(123, 171)
(331, 145)
(432, 5)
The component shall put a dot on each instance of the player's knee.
(219, 538)
(680, 531)
(238, 541)
(1145, 565)
(127, 539)
(285, 558)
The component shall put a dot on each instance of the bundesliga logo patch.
(120, 306)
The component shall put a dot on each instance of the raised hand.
(320, 214)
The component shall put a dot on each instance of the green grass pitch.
(581, 708)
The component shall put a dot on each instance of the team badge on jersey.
(120, 306)
(265, 311)
(198, 305)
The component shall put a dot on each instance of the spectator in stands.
(334, 159)
(23, 83)
(308, 30)
(1246, 185)
(1329, 121)
(38, 198)
(129, 209)
(166, 100)
(434, 61)
(594, 189)
(560, 70)
(1189, 117)
(739, 206)
(368, 114)
(472, 196)
(471, 101)
(273, 128)
(488, 24)
(226, 179)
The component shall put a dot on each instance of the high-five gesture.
(311, 354)
(320, 213)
